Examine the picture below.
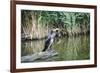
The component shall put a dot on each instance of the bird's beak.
(57, 29)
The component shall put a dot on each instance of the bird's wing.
(47, 43)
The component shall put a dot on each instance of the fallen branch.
(40, 55)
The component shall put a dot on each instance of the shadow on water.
(68, 48)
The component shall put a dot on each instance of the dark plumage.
(47, 43)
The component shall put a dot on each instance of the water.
(68, 48)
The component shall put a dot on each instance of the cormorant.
(50, 39)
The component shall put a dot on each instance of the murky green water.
(72, 48)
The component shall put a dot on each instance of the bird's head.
(56, 31)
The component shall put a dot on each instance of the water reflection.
(72, 48)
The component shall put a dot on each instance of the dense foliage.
(71, 23)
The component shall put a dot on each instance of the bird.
(50, 39)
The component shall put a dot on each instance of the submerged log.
(41, 55)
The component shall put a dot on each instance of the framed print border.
(13, 35)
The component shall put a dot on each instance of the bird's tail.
(45, 48)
